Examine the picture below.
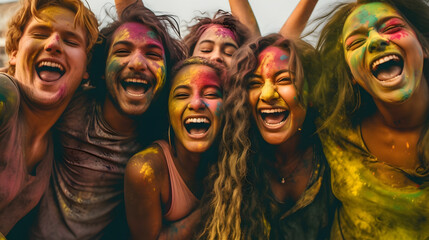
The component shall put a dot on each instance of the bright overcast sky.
(271, 14)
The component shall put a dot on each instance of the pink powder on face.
(223, 32)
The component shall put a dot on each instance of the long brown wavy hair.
(240, 203)
(337, 98)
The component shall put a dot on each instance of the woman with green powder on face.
(374, 98)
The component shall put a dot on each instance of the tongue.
(197, 130)
(135, 89)
(388, 73)
(49, 76)
(274, 118)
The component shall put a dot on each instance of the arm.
(297, 21)
(9, 99)
(143, 195)
(242, 10)
(144, 184)
(122, 4)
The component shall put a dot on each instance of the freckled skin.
(378, 24)
(195, 91)
(272, 87)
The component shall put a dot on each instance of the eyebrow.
(127, 43)
(363, 29)
(67, 33)
(275, 74)
(231, 45)
(186, 87)
(181, 87)
(212, 42)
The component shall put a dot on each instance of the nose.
(53, 44)
(216, 56)
(196, 103)
(377, 42)
(269, 93)
(137, 62)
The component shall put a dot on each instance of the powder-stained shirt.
(20, 190)
(379, 201)
(312, 215)
(86, 190)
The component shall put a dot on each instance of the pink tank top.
(183, 201)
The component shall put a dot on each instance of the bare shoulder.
(147, 165)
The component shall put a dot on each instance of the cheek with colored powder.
(219, 109)
(399, 35)
(160, 76)
(113, 68)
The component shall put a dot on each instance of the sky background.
(271, 14)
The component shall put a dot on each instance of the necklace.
(283, 178)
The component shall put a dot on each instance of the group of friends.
(132, 132)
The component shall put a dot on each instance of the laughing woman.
(163, 183)
(272, 181)
(374, 90)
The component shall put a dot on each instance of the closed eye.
(254, 83)
(355, 44)
(392, 29)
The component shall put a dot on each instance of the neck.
(188, 162)
(287, 152)
(409, 114)
(119, 121)
(38, 121)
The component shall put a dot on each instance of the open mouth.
(197, 126)
(135, 86)
(275, 116)
(387, 67)
(49, 71)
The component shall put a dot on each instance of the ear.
(85, 76)
(12, 58)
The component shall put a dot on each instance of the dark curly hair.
(175, 51)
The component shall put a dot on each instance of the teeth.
(51, 64)
(274, 110)
(383, 60)
(135, 80)
(197, 120)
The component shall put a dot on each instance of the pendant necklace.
(282, 178)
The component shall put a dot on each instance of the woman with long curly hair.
(374, 100)
(272, 180)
